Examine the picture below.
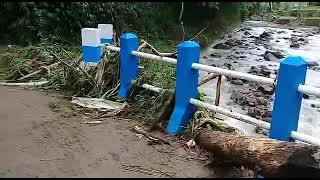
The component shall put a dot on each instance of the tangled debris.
(62, 69)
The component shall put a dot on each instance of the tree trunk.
(268, 157)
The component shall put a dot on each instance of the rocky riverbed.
(257, 48)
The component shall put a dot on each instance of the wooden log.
(268, 157)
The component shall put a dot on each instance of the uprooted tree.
(268, 157)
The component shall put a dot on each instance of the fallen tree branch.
(181, 22)
(167, 108)
(268, 157)
(91, 80)
(198, 34)
(39, 71)
(138, 130)
(24, 84)
(208, 78)
(217, 99)
(155, 51)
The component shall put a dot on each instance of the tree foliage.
(29, 22)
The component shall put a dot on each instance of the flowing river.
(250, 53)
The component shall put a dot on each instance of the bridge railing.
(290, 86)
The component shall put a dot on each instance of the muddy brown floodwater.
(41, 136)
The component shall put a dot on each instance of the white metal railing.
(113, 48)
(309, 90)
(234, 74)
(306, 89)
(247, 119)
(154, 57)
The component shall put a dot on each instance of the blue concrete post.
(186, 86)
(128, 63)
(106, 33)
(91, 49)
(287, 103)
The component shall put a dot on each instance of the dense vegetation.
(52, 33)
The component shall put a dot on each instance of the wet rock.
(269, 57)
(266, 119)
(276, 54)
(251, 112)
(247, 33)
(262, 101)
(228, 66)
(277, 40)
(266, 89)
(293, 39)
(312, 63)
(251, 101)
(221, 46)
(233, 42)
(294, 45)
(260, 70)
(305, 96)
(205, 57)
(285, 38)
(281, 32)
(303, 40)
(215, 55)
(235, 95)
(236, 82)
(265, 34)
(266, 113)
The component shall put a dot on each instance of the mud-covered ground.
(258, 48)
(42, 135)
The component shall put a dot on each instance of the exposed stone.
(294, 45)
(247, 33)
(266, 89)
(266, 114)
(305, 96)
(216, 55)
(276, 54)
(236, 82)
(221, 46)
(312, 63)
(266, 119)
(262, 101)
(265, 34)
(270, 57)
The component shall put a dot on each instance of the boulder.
(312, 63)
(262, 101)
(266, 89)
(215, 55)
(276, 54)
(294, 45)
(270, 57)
(236, 82)
(221, 46)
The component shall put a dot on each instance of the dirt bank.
(42, 136)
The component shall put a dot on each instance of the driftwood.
(138, 130)
(40, 83)
(268, 157)
(39, 71)
(218, 89)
